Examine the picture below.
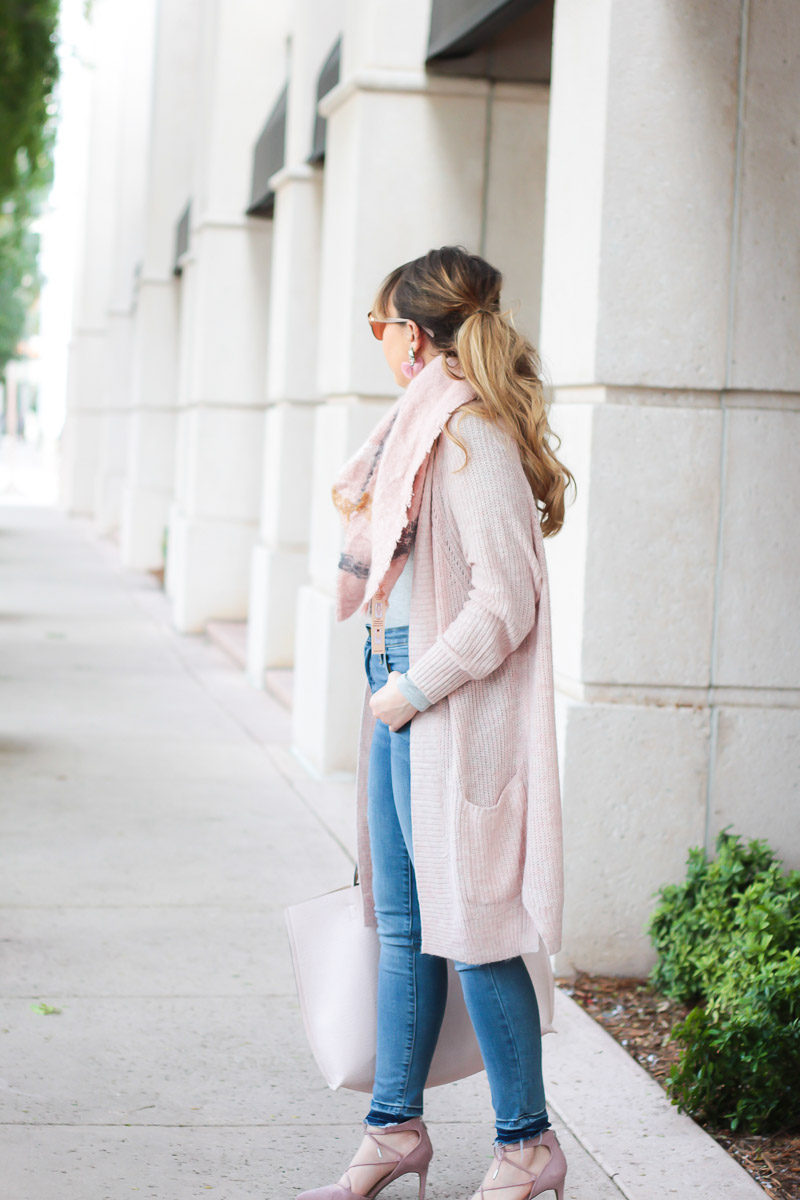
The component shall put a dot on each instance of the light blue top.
(398, 611)
(399, 607)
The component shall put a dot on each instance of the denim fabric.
(412, 987)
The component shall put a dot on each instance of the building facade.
(632, 169)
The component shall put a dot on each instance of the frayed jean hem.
(383, 1117)
(522, 1128)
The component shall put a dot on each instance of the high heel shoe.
(550, 1178)
(416, 1161)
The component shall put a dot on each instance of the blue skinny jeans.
(412, 987)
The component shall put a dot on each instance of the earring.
(411, 368)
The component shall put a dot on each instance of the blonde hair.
(456, 295)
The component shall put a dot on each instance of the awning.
(181, 238)
(326, 80)
(460, 26)
(492, 39)
(268, 158)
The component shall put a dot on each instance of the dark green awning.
(181, 238)
(503, 40)
(326, 81)
(461, 26)
(268, 158)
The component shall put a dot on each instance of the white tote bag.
(335, 957)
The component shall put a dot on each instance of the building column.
(87, 362)
(114, 422)
(94, 439)
(148, 489)
(676, 390)
(136, 34)
(280, 556)
(405, 171)
(213, 520)
(368, 116)
(214, 516)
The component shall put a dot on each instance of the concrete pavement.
(153, 826)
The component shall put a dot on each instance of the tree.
(29, 71)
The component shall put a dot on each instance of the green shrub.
(728, 939)
(694, 922)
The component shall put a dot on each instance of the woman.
(459, 834)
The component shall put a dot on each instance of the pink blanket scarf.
(379, 490)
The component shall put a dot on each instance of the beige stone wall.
(676, 392)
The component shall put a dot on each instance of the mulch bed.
(642, 1020)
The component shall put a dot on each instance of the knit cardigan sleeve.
(490, 507)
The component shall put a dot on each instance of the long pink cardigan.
(485, 800)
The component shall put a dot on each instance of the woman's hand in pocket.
(389, 704)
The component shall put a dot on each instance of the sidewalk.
(153, 827)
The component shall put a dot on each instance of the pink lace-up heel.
(416, 1162)
(550, 1178)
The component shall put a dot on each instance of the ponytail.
(505, 373)
(456, 295)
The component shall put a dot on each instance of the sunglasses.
(379, 327)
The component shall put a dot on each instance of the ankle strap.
(375, 1133)
(518, 1143)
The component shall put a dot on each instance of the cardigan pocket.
(491, 845)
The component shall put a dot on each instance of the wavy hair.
(456, 295)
